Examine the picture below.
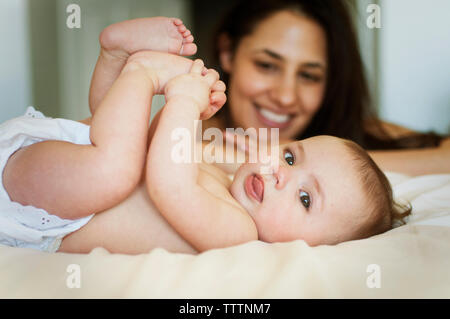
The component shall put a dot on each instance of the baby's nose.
(281, 175)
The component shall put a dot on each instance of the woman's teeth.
(271, 116)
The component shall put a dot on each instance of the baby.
(114, 184)
(325, 191)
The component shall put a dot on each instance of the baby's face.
(314, 195)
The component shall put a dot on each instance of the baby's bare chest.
(215, 181)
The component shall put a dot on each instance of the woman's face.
(278, 74)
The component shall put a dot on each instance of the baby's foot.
(161, 67)
(160, 34)
(188, 47)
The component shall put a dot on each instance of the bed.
(411, 261)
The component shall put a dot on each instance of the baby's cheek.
(271, 225)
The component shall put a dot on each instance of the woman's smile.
(267, 86)
(272, 119)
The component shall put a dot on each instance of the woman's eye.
(305, 199)
(265, 66)
(309, 77)
(289, 158)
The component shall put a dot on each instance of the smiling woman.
(272, 85)
(295, 65)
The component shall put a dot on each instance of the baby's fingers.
(217, 100)
(219, 86)
(211, 77)
(197, 66)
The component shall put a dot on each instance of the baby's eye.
(289, 157)
(305, 199)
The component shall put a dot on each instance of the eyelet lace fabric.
(29, 226)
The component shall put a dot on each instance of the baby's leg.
(132, 227)
(72, 181)
(120, 40)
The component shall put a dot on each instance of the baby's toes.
(188, 37)
(177, 21)
(187, 47)
(186, 33)
(182, 28)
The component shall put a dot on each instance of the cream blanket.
(411, 261)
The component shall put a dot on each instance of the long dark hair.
(346, 104)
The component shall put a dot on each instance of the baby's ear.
(225, 54)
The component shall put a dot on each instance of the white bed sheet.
(413, 262)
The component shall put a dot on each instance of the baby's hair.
(385, 212)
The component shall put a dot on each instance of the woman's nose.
(281, 176)
(285, 93)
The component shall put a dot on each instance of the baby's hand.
(200, 85)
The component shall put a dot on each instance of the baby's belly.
(134, 226)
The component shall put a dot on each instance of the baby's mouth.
(272, 119)
(254, 187)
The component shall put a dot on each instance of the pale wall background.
(48, 65)
(15, 72)
(45, 64)
(414, 60)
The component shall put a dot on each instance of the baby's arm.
(72, 181)
(120, 40)
(203, 219)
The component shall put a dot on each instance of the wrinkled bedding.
(411, 261)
